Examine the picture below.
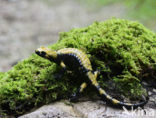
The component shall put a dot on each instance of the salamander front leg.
(75, 96)
(61, 72)
(96, 73)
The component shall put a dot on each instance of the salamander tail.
(117, 103)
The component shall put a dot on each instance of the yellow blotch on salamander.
(115, 101)
(101, 91)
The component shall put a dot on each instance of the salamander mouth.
(40, 53)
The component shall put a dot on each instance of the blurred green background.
(141, 10)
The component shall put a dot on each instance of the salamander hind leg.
(74, 97)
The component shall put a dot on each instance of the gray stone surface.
(56, 110)
(98, 109)
(88, 109)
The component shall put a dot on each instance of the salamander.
(75, 59)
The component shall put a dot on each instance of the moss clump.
(123, 50)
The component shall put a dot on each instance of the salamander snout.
(40, 53)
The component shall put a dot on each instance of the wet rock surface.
(27, 24)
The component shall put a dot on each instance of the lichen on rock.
(124, 51)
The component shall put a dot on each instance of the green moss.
(123, 50)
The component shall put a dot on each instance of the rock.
(92, 109)
(56, 110)
(88, 109)
(154, 90)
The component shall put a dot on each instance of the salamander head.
(46, 53)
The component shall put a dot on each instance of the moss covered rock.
(123, 50)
